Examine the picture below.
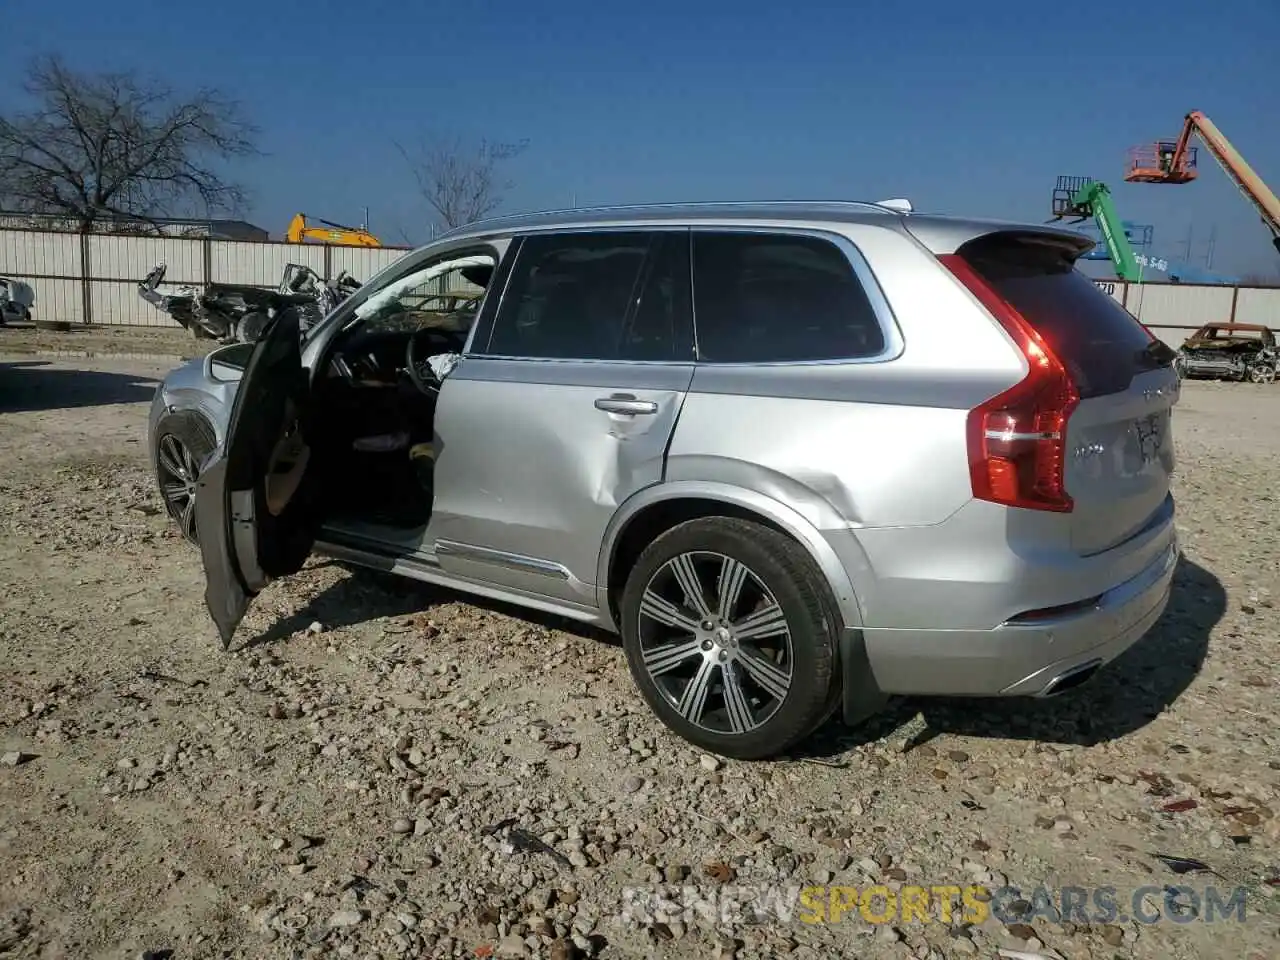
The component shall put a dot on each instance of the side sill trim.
(500, 558)
(424, 570)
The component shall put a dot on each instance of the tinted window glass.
(661, 322)
(762, 298)
(1101, 344)
(571, 296)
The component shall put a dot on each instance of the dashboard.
(375, 355)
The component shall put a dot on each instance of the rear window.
(1100, 343)
(779, 298)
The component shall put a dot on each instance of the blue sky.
(966, 108)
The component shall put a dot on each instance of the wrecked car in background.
(1232, 351)
(16, 300)
(238, 312)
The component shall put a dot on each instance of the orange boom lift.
(1174, 161)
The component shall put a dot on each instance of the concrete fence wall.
(93, 278)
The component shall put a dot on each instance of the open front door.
(257, 517)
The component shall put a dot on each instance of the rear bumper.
(1018, 659)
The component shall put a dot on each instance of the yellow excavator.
(300, 232)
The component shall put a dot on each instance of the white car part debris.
(16, 300)
(442, 364)
(18, 292)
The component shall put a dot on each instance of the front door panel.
(255, 516)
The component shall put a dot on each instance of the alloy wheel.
(178, 474)
(1262, 373)
(715, 642)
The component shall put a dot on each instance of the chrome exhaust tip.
(1070, 679)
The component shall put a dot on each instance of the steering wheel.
(415, 361)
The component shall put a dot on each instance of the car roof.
(941, 234)
(1235, 326)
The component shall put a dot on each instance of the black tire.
(182, 439)
(783, 579)
(249, 327)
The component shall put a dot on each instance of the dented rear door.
(563, 407)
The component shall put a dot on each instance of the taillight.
(1017, 440)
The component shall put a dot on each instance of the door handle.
(625, 403)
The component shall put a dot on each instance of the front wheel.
(183, 442)
(1262, 373)
(731, 636)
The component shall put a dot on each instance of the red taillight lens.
(1017, 440)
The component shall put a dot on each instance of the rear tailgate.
(1119, 449)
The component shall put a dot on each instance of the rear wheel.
(183, 442)
(729, 634)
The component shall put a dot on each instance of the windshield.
(444, 294)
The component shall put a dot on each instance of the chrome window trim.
(501, 558)
(894, 342)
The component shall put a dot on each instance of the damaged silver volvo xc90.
(799, 455)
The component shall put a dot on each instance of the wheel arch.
(654, 510)
(166, 412)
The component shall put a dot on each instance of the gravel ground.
(384, 770)
(169, 341)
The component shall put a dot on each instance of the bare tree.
(101, 147)
(460, 182)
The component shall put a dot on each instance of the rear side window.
(778, 298)
(568, 295)
(596, 296)
(1100, 343)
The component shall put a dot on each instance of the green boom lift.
(1084, 197)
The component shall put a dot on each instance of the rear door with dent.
(563, 407)
(257, 504)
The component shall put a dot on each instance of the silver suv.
(801, 456)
